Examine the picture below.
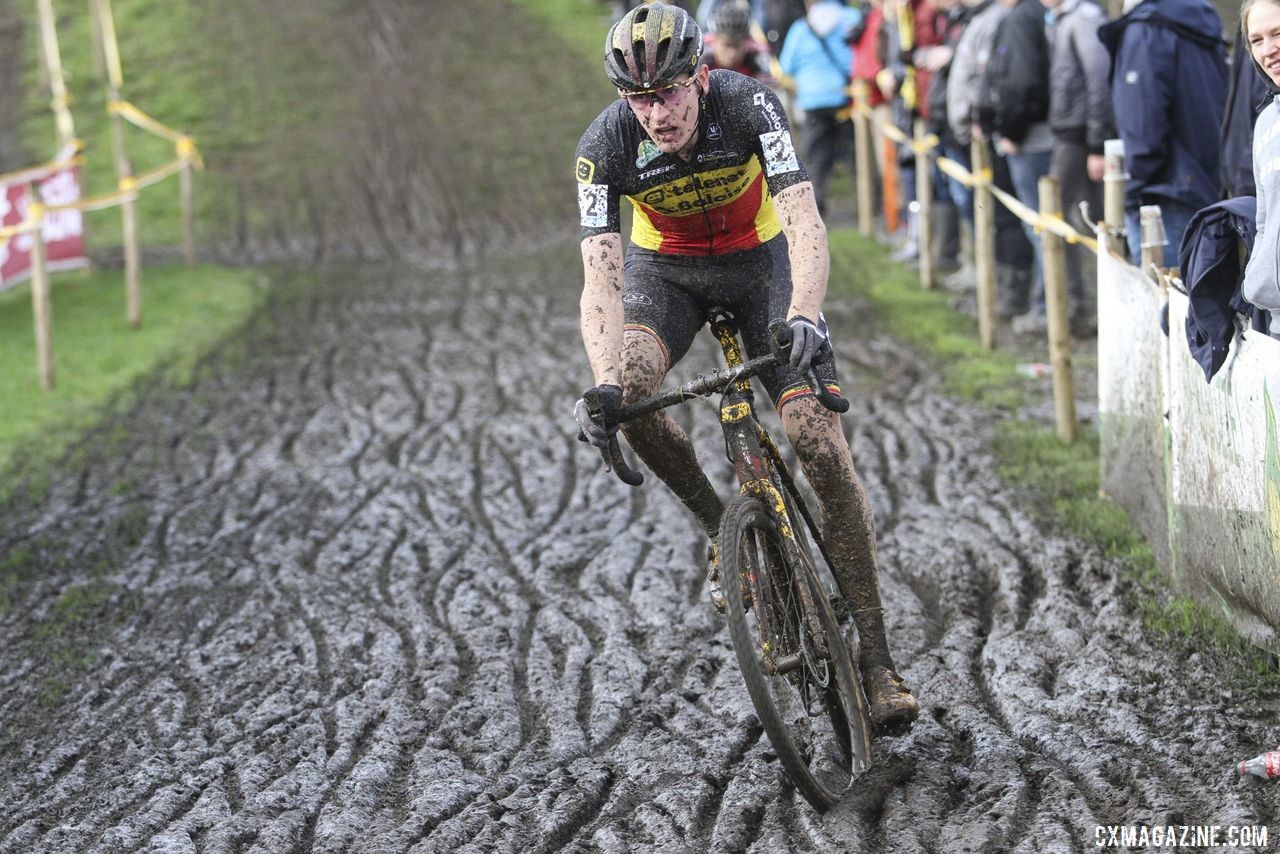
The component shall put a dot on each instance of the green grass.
(96, 353)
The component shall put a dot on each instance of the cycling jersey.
(719, 201)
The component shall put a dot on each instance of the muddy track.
(354, 589)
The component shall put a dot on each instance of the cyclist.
(724, 215)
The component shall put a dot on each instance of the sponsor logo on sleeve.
(647, 153)
(593, 205)
(586, 170)
(770, 110)
(779, 153)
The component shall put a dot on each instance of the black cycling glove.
(600, 429)
(807, 338)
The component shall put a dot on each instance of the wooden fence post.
(862, 156)
(984, 242)
(1113, 180)
(924, 200)
(1053, 253)
(57, 83)
(1153, 241)
(41, 300)
(186, 180)
(124, 170)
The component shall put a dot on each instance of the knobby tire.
(821, 744)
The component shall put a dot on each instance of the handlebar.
(708, 384)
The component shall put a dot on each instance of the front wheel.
(799, 674)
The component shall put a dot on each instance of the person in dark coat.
(1248, 95)
(1168, 83)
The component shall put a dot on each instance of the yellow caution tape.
(1055, 225)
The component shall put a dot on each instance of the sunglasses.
(648, 97)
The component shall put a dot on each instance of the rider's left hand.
(806, 340)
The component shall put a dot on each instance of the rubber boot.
(910, 250)
(946, 237)
(1013, 291)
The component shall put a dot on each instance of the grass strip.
(96, 353)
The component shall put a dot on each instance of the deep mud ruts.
(358, 588)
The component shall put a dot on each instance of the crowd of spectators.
(1043, 84)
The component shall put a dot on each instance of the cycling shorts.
(670, 297)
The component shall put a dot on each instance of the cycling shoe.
(893, 708)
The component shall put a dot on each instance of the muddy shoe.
(713, 577)
(893, 709)
(713, 580)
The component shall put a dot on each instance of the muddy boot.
(910, 250)
(893, 708)
(1013, 289)
(946, 237)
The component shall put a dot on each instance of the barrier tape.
(1055, 225)
(127, 188)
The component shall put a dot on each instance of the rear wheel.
(804, 689)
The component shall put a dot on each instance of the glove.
(599, 432)
(807, 338)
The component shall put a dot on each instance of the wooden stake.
(57, 83)
(124, 169)
(862, 154)
(41, 300)
(186, 180)
(1053, 253)
(984, 243)
(924, 201)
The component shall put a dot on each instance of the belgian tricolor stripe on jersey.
(712, 211)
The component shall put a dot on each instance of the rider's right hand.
(599, 427)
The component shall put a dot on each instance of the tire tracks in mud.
(387, 607)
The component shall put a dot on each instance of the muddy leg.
(847, 522)
(658, 440)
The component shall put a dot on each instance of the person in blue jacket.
(1169, 88)
(817, 55)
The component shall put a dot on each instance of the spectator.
(707, 8)
(1081, 119)
(779, 17)
(912, 28)
(1014, 256)
(1260, 21)
(1013, 109)
(1168, 84)
(954, 200)
(729, 44)
(816, 55)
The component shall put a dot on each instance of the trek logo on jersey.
(779, 153)
(647, 153)
(586, 170)
(652, 173)
(593, 205)
(770, 111)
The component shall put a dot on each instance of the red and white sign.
(63, 230)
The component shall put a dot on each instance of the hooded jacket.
(973, 52)
(1168, 85)
(816, 53)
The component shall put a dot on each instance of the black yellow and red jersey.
(719, 201)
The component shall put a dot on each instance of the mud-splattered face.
(671, 119)
(1262, 29)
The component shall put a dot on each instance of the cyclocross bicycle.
(797, 662)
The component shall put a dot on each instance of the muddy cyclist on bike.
(724, 215)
